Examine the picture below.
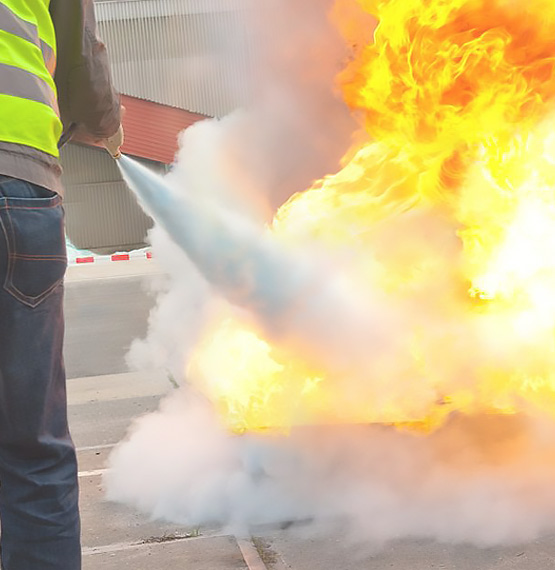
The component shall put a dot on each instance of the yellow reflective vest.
(28, 101)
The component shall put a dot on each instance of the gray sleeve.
(86, 95)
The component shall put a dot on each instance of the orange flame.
(447, 210)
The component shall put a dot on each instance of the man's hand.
(113, 143)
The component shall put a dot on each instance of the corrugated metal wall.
(191, 54)
(101, 212)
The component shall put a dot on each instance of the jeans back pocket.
(36, 250)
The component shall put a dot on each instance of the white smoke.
(484, 479)
(294, 131)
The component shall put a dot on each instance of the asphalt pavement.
(101, 409)
(107, 307)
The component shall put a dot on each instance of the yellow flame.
(448, 210)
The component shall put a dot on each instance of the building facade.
(175, 62)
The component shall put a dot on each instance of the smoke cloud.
(295, 130)
(484, 480)
(481, 479)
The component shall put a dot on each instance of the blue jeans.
(38, 470)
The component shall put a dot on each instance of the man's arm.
(86, 96)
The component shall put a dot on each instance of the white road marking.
(95, 447)
(92, 473)
(123, 546)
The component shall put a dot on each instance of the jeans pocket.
(34, 232)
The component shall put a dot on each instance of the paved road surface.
(106, 308)
(115, 537)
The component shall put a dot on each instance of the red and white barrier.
(123, 256)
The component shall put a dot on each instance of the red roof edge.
(152, 129)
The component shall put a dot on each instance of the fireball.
(437, 235)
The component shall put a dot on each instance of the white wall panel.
(192, 54)
(101, 212)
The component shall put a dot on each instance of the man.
(39, 99)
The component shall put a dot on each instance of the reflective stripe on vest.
(28, 105)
